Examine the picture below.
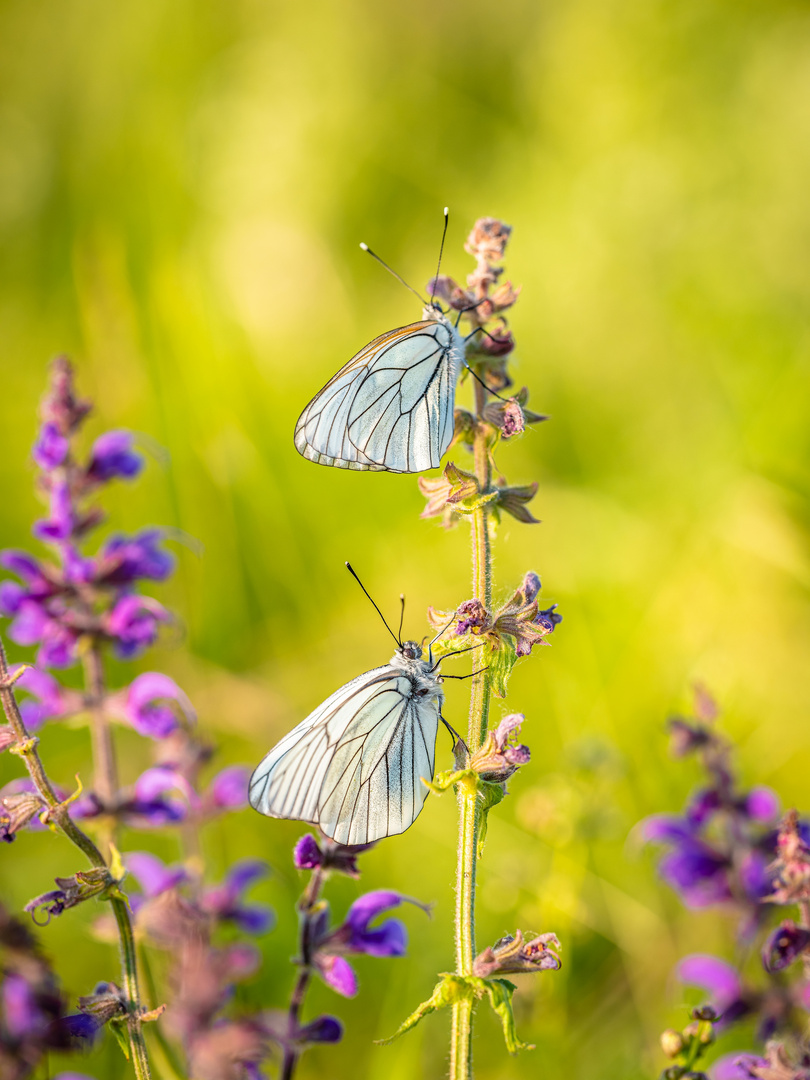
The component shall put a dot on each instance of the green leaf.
(450, 989)
(121, 1034)
(500, 993)
(491, 795)
(500, 666)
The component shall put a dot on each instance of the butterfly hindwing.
(354, 766)
(391, 407)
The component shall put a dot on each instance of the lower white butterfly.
(355, 766)
(390, 409)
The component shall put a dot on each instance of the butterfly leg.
(458, 742)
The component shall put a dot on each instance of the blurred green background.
(183, 187)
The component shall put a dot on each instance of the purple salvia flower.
(152, 874)
(787, 943)
(51, 448)
(698, 873)
(357, 936)
(224, 901)
(719, 979)
(307, 854)
(133, 624)
(326, 1029)
(144, 705)
(228, 790)
(112, 455)
(60, 525)
(52, 699)
(337, 973)
(737, 1066)
(762, 805)
(125, 559)
(21, 1014)
(472, 616)
(78, 570)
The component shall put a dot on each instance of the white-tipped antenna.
(399, 278)
(365, 590)
(441, 252)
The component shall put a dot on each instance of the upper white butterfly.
(354, 767)
(390, 409)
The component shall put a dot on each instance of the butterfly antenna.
(447, 627)
(365, 590)
(401, 615)
(399, 277)
(441, 252)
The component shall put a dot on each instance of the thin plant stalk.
(26, 748)
(305, 906)
(469, 813)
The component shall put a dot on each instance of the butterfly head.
(434, 312)
(410, 650)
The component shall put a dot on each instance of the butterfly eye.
(421, 693)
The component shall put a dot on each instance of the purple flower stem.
(305, 906)
(26, 749)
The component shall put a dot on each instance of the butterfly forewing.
(355, 766)
(391, 407)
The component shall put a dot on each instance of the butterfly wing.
(391, 407)
(354, 766)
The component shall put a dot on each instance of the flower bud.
(672, 1042)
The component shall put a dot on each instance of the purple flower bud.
(78, 570)
(133, 624)
(59, 645)
(60, 525)
(702, 806)
(787, 943)
(229, 789)
(11, 597)
(472, 616)
(112, 455)
(124, 560)
(549, 618)
(81, 1026)
(686, 737)
(698, 873)
(51, 448)
(307, 854)
(326, 1029)
(143, 706)
(337, 973)
(153, 876)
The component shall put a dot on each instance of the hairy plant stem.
(305, 906)
(26, 748)
(468, 807)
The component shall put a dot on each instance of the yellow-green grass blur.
(183, 187)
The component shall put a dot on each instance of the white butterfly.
(355, 766)
(391, 407)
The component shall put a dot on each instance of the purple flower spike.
(144, 708)
(112, 456)
(307, 854)
(337, 973)
(225, 901)
(125, 559)
(229, 789)
(51, 448)
(153, 876)
(787, 943)
(326, 1029)
(698, 873)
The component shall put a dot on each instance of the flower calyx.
(500, 757)
(98, 882)
(453, 495)
(792, 864)
(515, 956)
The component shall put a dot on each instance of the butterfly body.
(354, 767)
(390, 409)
